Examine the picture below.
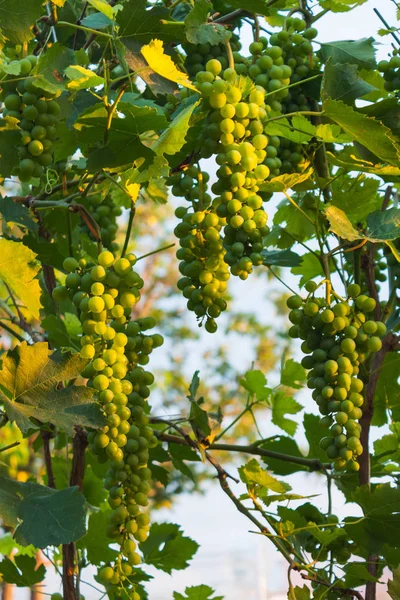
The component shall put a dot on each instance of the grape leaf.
(286, 181)
(29, 379)
(357, 197)
(260, 7)
(17, 19)
(384, 225)
(167, 548)
(343, 82)
(309, 268)
(81, 78)
(357, 574)
(314, 433)
(49, 517)
(282, 445)
(97, 21)
(355, 163)
(280, 258)
(341, 225)
(354, 52)
(198, 31)
(136, 61)
(281, 406)
(366, 130)
(104, 7)
(301, 593)
(253, 474)
(95, 541)
(144, 25)
(255, 383)
(394, 585)
(163, 65)
(22, 571)
(298, 129)
(15, 212)
(49, 71)
(173, 138)
(18, 271)
(9, 546)
(198, 592)
(293, 374)
(340, 5)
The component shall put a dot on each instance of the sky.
(236, 562)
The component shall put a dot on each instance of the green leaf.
(9, 142)
(380, 508)
(49, 71)
(286, 182)
(57, 333)
(96, 21)
(198, 592)
(298, 130)
(355, 163)
(22, 571)
(124, 140)
(341, 225)
(81, 78)
(49, 517)
(198, 31)
(30, 374)
(9, 546)
(255, 383)
(301, 593)
(384, 225)
(17, 19)
(354, 52)
(253, 474)
(18, 270)
(136, 61)
(340, 5)
(281, 406)
(280, 258)
(293, 374)
(15, 212)
(387, 393)
(95, 541)
(282, 445)
(261, 7)
(365, 130)
(394, 585)
(357, 574)
(167, 548)
(343, 82)
(163, 65)
(356, 197)
(173, 138)
(314, 433)
(144, 25)
(309, 268)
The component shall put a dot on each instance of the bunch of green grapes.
(337, 340)
(201, 252)
(290, 157)
(105, 213)
(117, 349)
(391, 72)
(198, 55)
(295, 42)
(234, 131)
(37, 113)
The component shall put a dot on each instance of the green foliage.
(197, 592)
(22, 571)
(167, 548)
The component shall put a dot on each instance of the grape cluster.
(391, 72)
(290, 157)
(117, 348)
(337, 340)
(234, 131)
(37, 113)
(197, 55)
(201, 252)
(105, 213)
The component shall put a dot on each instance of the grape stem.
(82, 28)
(128, 230)
(156, 251)
(386, 24)
(231, 60)
(13, 445)
(349, 592)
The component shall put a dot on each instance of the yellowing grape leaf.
(163, 64)
(103, 7)
(18, 270)
(82, 78)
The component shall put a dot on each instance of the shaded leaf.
(95, 541)
(280, 258)
(356, 52)
(16, 212)
(198, 592)
(22, 571)
(173, 138)
(144, 25)
(198, 31)
(136, 61)
(282, 445)
(343, 82)
(49, 71)
(17, 19)
(394, 585)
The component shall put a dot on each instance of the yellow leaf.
(59, 3)
(103, 7)
(163, 64)
(18, 271)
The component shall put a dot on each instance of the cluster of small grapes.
(105, 213)
(104, 294)
(198, 55)
(37, 113)
(235, 129)
(201, 252)
(391, 72)
(337, 340)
